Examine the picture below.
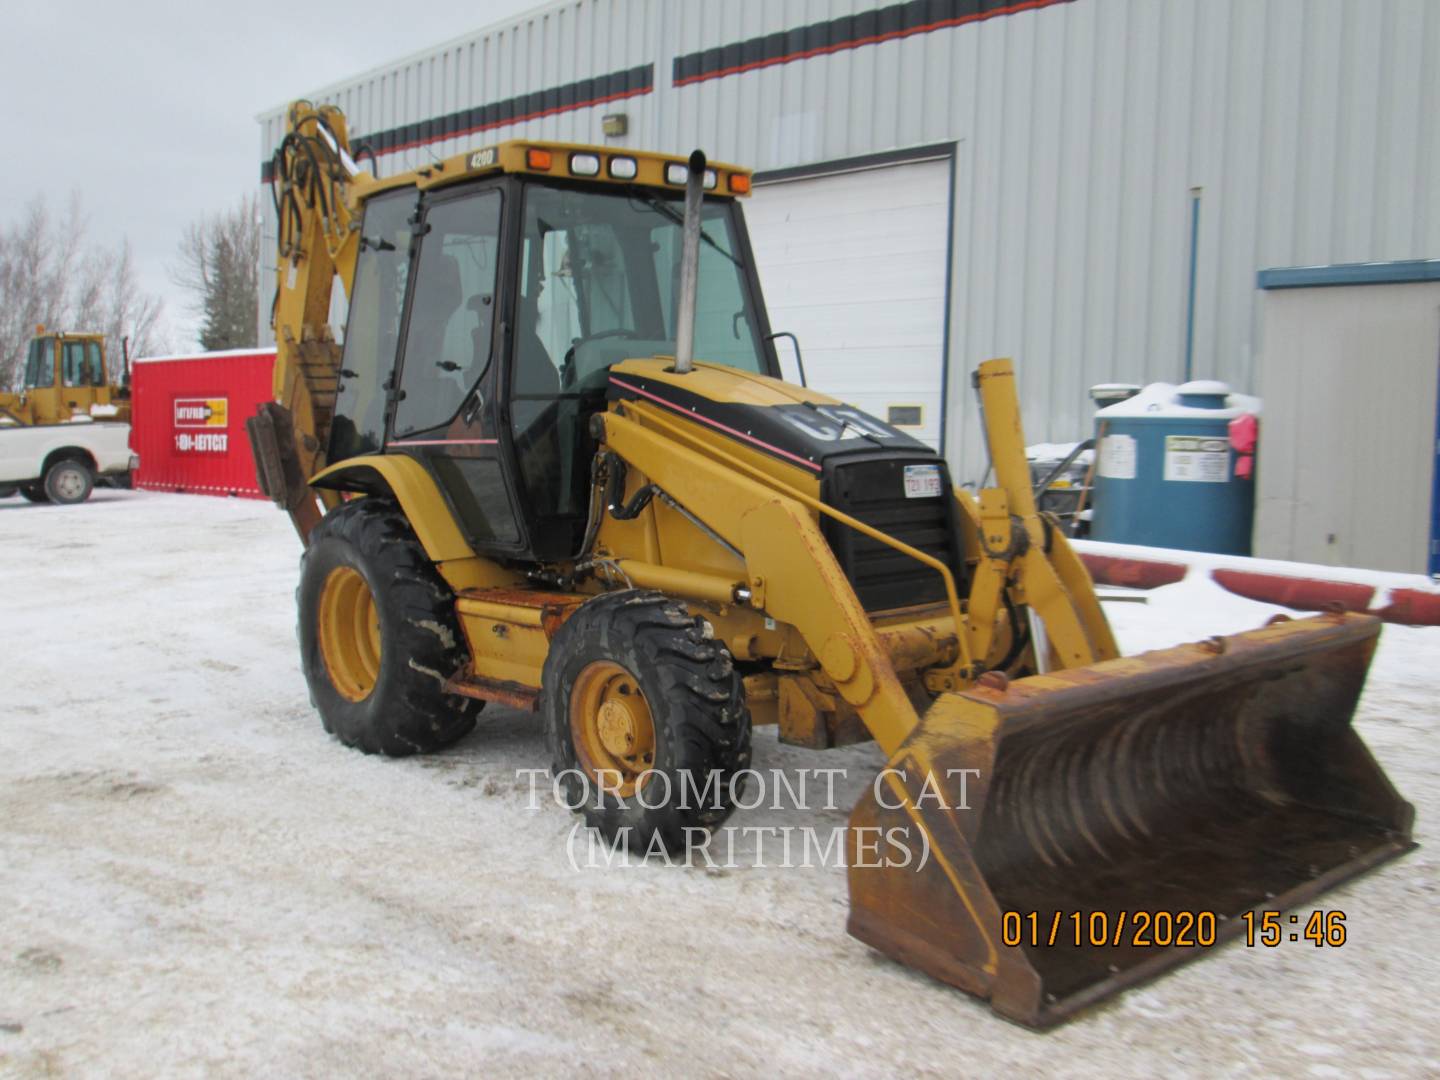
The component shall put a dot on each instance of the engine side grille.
(874, 492)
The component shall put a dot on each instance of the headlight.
(584, 165)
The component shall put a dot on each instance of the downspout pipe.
(1190, 298)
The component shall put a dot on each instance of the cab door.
(105, 385)
(42, 382)
(82, 375)
(442, 409)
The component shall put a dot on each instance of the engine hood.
(789, 422)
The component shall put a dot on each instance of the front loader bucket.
(1196, 783)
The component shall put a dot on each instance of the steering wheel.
(567, 376)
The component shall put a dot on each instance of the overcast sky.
(147, 108)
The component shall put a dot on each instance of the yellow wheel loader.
(554, 466)
(65, 379)
(66, 375)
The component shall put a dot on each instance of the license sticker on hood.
(922, 481)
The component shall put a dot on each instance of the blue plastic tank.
(1165, 474)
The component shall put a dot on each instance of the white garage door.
(854, 266)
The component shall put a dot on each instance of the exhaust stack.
(689, 265)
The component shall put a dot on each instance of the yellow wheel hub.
(349, 633)
(611, 726)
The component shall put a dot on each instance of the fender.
(413, 488)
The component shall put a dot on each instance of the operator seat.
(545, 436)
(535, 371)
(432, 339)
(483, 305)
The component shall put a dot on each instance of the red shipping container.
(188, 420)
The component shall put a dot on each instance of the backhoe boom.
(314, 184)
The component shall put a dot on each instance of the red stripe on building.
(538, 115)
(871, 39)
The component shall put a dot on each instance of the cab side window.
(452, 311)
(94, 364)
(372, 332)
(40, 364)
(73, 370)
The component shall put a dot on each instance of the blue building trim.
(1379, 273)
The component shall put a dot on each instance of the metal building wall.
(554, 48)
(1081, 126)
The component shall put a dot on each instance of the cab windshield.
(599, 283)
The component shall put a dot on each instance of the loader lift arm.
(790, 565)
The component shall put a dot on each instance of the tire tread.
(415, 715)
(700, 716)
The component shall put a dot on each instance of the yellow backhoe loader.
(554, 466)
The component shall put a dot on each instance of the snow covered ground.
(194, 878)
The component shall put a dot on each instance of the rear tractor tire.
(7, 490)
(646, 719)
(378, 634)
(68, 482)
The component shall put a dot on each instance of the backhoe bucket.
(1122, 812)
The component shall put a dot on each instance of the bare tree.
(51, 274)
(218, 264)
(123, 309)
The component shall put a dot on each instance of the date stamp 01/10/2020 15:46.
(1166, 929)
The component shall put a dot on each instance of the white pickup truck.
(62, 463)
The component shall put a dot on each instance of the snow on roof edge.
(222, 353)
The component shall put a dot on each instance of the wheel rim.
(611, 726)
(69, 484)
(349, 633)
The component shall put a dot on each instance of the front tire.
(34, 493)
(69, 482)
(646, 719)
(378, 634)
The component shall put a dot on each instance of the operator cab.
(65, 362)
(63, 376)
(486, 316)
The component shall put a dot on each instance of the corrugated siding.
(1308, 124)
(550, 47)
